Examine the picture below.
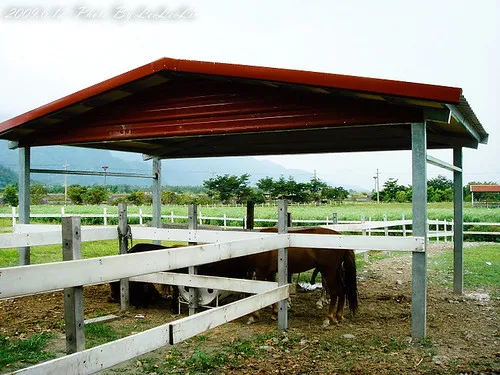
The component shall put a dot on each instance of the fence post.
(452, 224)
(363, 233)
(282, 265)
(370, 226)
(445, 229)
(105, 216)
(437, 230)
(193, 270)
(225, 221)
(13, 217)
(140, 216)
(404, 225)
(250, 215)
(171, 217)
(201, 220)
(335, 219)
(386, 230)
(73, 297)
(123, 236)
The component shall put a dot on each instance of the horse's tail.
(350, 280)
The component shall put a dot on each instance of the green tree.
(389, 191)
(401, 196)
(7, 176)
(315, 187)
(266, 185)
(10, 196)
(334, 193)
(137, 198)
(226, 188)
(37, 193)
(77, 193)
(168, 197)
(95, 195)
(440, 183)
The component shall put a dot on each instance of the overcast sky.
(452, 43)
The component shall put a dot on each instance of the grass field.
(348, 211)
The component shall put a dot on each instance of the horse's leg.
(340, 307)
(329, 281)
(255, 316)
(175, 300)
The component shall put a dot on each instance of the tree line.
(236, 189)
(229, 189)
(439, 189)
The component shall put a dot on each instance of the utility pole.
(65, 166)
(105, 168)
(377, 186)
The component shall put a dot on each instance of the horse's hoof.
(251, 320)
(319, 305)
(274, 317)
(325, 324)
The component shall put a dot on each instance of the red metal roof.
(164, 104)
(485, 188)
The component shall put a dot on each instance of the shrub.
(10, 196)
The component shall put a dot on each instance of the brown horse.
(337, 267)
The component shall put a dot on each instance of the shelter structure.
(183, 109)
(483, 189)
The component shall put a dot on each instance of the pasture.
(347, 211)
(461, 329)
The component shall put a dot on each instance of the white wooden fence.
(150, 266)
(438, 229)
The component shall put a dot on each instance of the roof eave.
(475, 130)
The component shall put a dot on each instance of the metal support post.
(419, 225)
(24, 199)
(458, 219)
(282, 265)
(193, 270)
(156, 189)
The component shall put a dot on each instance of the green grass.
(98, 334)
(53, 253)
(347, 211)
(16, 353)
(481, 265)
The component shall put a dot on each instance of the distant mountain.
(184, 172)
(7, 176)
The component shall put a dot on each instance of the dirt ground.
(463, 331)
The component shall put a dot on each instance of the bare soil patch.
(463, 334)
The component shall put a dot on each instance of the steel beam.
(419, 222)
(92, 173)
(440, 163)
(458, 219)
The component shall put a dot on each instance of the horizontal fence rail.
(104, 356)
(153, 266)
(437, 228)
(18, 281)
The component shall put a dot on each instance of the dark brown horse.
(337, 267)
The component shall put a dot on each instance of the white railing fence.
(438, 229)
(151, 266)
